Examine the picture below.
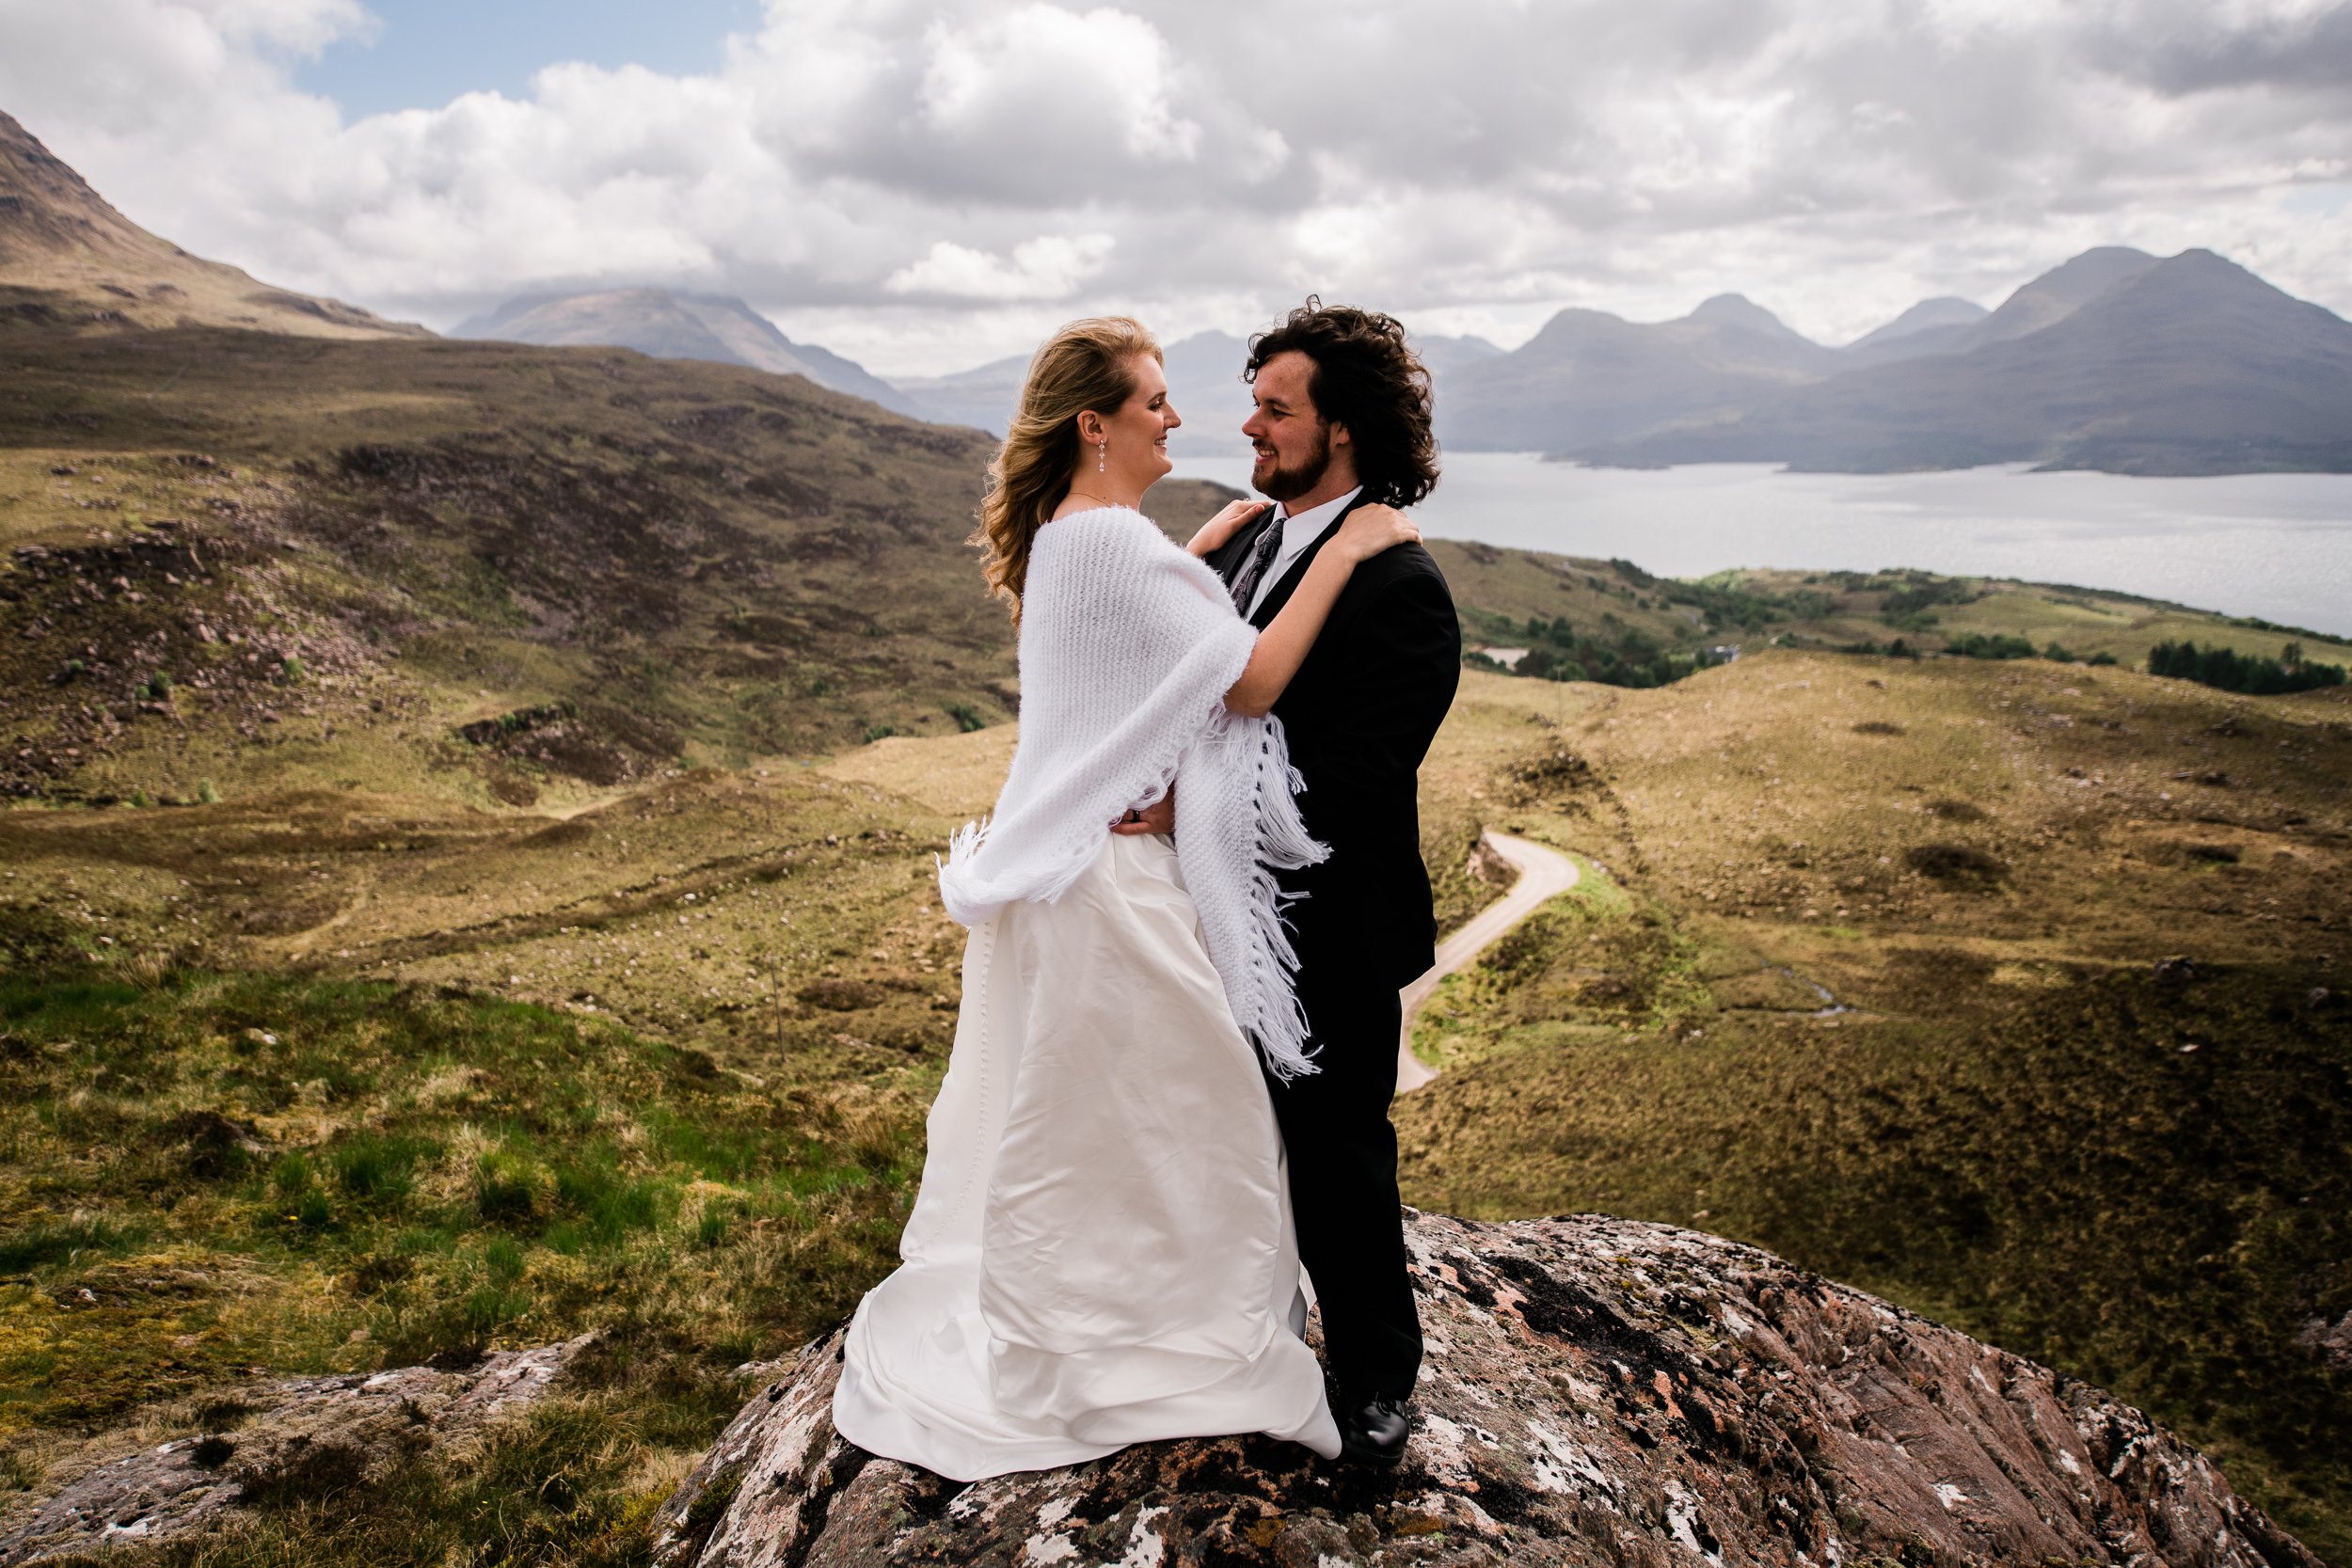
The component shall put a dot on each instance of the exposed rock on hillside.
(1597, 1391)
(301, 1438)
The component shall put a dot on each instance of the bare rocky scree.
(1597, 1391)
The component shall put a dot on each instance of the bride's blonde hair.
(1087, 364)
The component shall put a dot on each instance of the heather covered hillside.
(469, 820)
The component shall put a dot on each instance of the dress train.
(1102, 1252)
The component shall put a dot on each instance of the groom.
(1342, 418)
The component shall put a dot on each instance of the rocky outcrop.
(2331, 1344)
(1597, 1391)
(301, 1436)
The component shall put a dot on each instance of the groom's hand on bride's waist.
(1157, 817)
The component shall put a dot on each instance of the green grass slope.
(251, 558)
(542, 932)
(2016, 992)
(224, 1172)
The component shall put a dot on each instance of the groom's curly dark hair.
(1367, 377)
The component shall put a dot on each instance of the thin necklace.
(1092, 496)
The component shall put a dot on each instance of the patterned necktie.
(1253, 570)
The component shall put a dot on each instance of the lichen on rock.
(1597, 1391)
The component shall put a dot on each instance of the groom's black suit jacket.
(1360, 716)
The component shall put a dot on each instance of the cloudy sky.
(924, 184)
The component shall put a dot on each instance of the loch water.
(2274, 545)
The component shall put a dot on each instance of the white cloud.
(1057, 80)
(929, 183)
(1049, 268)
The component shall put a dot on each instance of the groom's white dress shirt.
(1297, 534)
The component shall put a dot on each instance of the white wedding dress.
(1102, 1252)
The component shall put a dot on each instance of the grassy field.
(658, 1068)
(1879, 965)
(508, 576)
(396, 1076)
(495, 573)
(530, 927)
(1876, 963)
(233, 1172)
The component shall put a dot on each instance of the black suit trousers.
(1342, 1175)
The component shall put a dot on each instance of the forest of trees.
(1621, 656)
(2252, 673)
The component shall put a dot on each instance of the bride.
(1102, 1251)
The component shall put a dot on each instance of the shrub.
(1621, 656)
(1954, 862)
(1920, 594)
(291, 668)
(482, 732)
(207, 792)
(1976, 644)
(967, 718)
(879, 732)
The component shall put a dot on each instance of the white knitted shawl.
(1128, 645)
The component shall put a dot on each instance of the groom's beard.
(1282, 485)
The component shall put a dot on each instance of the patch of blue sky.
(420, 54)
(2322, 200)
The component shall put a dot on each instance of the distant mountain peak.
(2064, 290)
(1741, 311)
(1945, 310)
(77, 258)
(2117, 360)
(2198, 259)
(669, 324)
(2110, 255)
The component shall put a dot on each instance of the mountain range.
(1203, 382)
(2115, 360)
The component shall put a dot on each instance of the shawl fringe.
(1126, 654)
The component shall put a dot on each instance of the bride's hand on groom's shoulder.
(1229, 521)
(1370, 530)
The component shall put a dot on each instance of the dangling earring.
(1103, 455)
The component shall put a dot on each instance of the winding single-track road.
(1544, 874)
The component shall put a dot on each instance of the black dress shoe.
(1375, 1433)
